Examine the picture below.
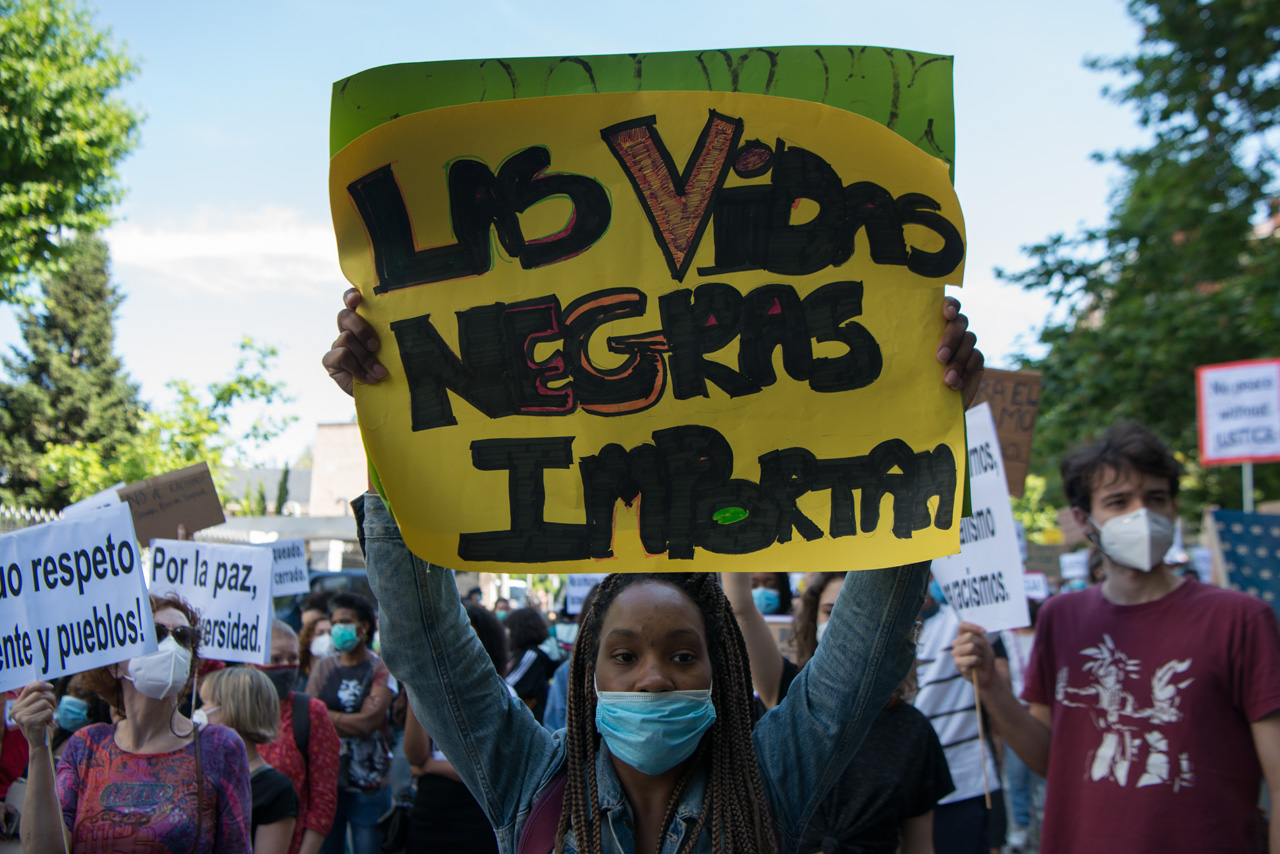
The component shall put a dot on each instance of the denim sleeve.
(501, 753)
(804, 744)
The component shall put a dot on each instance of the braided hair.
(735, 805)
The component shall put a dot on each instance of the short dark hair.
(317, 600)
(475, 591)
(527, 628)
(355, 602)
(492, 636)
(1125, 447)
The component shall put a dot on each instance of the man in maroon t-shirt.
(1154, 700)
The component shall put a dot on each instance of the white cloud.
(272, 250)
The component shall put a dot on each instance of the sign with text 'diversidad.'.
(985, 582)
(231, 587)
(72, 597)
(656, 316)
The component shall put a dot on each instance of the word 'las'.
(690, 499)
(753, 222)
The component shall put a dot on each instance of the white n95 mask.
(1138, 540)
(161, 674)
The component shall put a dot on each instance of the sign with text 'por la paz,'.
(657, 316)
(229, 585)
(72, 597)
(1239, 407)
(985, 583)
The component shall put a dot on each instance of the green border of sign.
(906, 91)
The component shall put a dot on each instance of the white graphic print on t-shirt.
(1126, 729)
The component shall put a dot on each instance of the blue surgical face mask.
(935, 592)
(344, 637)
(72, 713)
(653, 732)
(767, 600)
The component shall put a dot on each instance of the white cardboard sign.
(579, 586)
(289, 571)
(984, 582)
(72, 597)
(230, 585)
(1074, 565)
(1036, 585)
(1239, 406)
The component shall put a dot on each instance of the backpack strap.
(538, 836)
(302, 724)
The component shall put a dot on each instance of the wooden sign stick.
(982, 740)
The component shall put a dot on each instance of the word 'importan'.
(691, 499)
(495, 369)
(754, 223)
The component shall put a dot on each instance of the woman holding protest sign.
(184, 794)
(353, 686)
(659, 753)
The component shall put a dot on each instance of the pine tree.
(67, 387)
(282, 491)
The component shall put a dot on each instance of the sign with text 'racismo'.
(658, 312)
(229, 585)
(72, 597)
(985, 582)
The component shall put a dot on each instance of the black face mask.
(284, 678)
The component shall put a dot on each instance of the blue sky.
(225, 230)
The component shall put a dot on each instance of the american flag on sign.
(1251, 553)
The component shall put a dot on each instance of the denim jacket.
(506, 758)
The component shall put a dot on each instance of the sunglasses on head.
(185, 635)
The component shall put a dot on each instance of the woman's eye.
(684, 657)
(623, 657)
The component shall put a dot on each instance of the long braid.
(735, 804)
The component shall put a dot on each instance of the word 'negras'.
(754, 227)
(496, 371)
(685, 480)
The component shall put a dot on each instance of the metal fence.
(15, 518)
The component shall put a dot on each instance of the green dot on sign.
(729, 515)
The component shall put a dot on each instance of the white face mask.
(1138, 540)
(161, 674)
(822, 627)
(321, 645)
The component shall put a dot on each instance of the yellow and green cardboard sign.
(658, 312)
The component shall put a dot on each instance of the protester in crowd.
(1153, 700)
(883, 801)
(153, 746)
(244, 699)
(558, 694)
(77, 708)
(13, 764)
(962, 823)
(315, 625)
(353, 686)
(530, 669)
(446, 818)
(681, 768)
(502, 608)
(771, 592)
(475, 596)
(306, 749)
(1025, 789)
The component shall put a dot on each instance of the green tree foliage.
(62, 132)
(1187, 271)
(197, 427)
(282, 491)
(67, 387)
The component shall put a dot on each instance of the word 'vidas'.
(753, 227)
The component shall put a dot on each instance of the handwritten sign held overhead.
(1015, 399)
(185, 497)
(703, 337)
(72, 597)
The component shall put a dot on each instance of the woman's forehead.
(641, 602)
(171, 617)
